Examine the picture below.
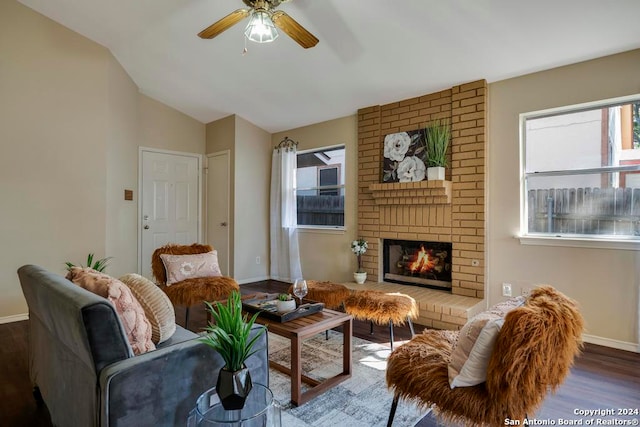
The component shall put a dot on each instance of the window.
(328, 179)
(320, 187)
(581, 171)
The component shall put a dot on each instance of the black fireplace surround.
(417, 263)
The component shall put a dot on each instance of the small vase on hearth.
(360, 277)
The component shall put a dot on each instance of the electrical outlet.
(257, 260)
(506, 290)
(525, 291)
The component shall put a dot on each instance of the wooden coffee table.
(298, 330)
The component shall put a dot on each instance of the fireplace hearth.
(417, 263)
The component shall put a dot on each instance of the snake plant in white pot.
(437, 138)
(229, 334)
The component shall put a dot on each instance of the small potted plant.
(437, 137)
(359, 247)
(285, 302)
(228, 334)
(98, 265)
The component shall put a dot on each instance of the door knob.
(224, 224)
(146, 227)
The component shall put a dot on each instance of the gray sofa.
(83, 367)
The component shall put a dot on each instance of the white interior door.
(218, 207)
(170, 202)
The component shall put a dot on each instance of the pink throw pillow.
(131, 314)
(182, 267)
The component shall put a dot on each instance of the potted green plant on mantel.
(359, 247)
(228, 334)
(437, 137)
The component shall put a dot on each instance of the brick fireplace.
(449, 211)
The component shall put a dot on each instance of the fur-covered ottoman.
(382, 308)
(332, 295)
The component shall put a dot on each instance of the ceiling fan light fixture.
(260, 28)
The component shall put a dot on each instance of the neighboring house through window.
(320, 187)
(581, 171)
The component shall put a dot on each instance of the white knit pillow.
(156, 305)
(470, 357)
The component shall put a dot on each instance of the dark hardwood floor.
(602, 378)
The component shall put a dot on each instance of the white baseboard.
(14, 318)
(252, 279)
(608, 342)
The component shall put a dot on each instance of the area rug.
(362, 400)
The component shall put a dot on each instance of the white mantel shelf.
(434, 192)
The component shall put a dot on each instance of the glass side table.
(260, 410)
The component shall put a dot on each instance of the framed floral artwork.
(404, 157)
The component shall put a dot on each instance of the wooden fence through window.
(585, 211)
(320, 210)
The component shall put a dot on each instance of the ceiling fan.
(261, 27)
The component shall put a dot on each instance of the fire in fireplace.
(409, 262)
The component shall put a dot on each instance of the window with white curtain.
(320, 177)
(581, 171)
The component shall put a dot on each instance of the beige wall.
(221, 135)
(253, 168)
(164, 128)
(604, 281)
(53, 121)
(326, 254)
(122, 170)
(250, 160)
(71, 121)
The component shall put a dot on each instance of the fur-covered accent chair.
(532, 355)
(191, 291)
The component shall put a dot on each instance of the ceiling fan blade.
(216, 28)
(294, 30)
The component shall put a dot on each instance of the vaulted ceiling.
(370, 51)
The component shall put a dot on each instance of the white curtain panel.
(285, 254)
